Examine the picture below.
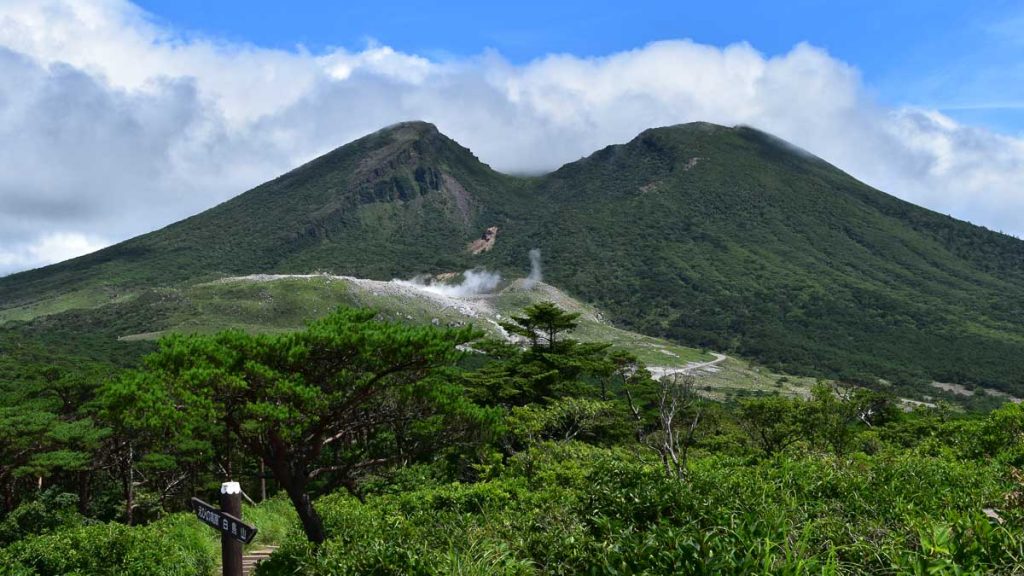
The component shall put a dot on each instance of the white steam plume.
(474, 283)
(535, 272)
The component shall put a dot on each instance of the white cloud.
(111, 125)
(47, 249)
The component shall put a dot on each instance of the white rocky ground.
(471, 305)
(963, 391)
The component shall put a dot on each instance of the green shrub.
(175, 546)
(572, 509)
(274, 520)
(52, 510)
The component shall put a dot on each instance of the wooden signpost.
(228, 520)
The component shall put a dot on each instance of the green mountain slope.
(394, 196)
(720, 237)
(116, 335)
(732, 239)
(264, 303)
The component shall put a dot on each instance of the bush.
(572, 508)
(274, 520)
(178, 545)
(52, 510)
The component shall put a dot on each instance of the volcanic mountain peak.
(694, 127)
(724, 237)
(409, 130)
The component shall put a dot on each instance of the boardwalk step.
(254, 557)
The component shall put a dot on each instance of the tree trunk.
(312, 525)
(84, 495)
(8, 495)
(129, 500)
(263, 480)
(129, 487)
(295, 487)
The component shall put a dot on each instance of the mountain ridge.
(721, 237)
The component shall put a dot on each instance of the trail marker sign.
(223, 521)
(233, 532)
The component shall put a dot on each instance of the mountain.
(725, 238)
(397, 193)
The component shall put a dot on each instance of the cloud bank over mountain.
(111, 125)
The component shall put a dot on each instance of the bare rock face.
(485, 242)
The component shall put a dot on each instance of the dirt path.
(691, 368)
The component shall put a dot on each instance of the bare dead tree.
(680, 411)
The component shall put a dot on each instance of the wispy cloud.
(111, 125)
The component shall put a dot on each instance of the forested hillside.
(725, 238)
(379, 447)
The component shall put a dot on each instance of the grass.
(274, 519)
(87, 298)
(734, 377)
(175, 545)
(288, 303)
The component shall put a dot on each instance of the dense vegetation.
(557, 457)
(576, 509)
(721, 238)
(47, 536)
(394, 450)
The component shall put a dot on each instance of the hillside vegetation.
(340, 340)
(723, 238)
(400, 448)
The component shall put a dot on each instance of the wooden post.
(230, 548)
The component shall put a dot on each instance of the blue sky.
(963, 58)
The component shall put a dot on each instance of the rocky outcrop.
(485, 242)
